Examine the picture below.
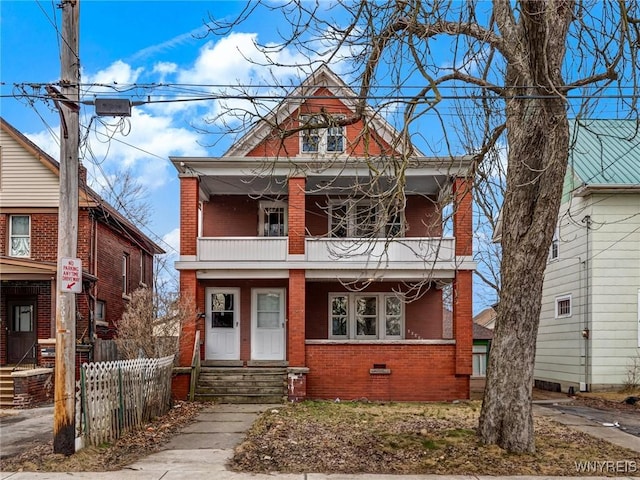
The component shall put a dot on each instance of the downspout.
(586, 331)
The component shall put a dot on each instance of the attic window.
(321, 140)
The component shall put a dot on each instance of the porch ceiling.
(316, 185)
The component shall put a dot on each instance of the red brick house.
(116, 256)
(290, 265)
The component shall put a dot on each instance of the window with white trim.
(563, 306)
(555, 244)
(365, 316)
(479, 361)
(125, 273)
(273, 219)
(362, 219)
(99, 312)
(20, 236)
(321, 140)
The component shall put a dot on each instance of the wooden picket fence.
(116, 397)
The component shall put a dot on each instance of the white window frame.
(479, 354)
(12, 235)
(100, 312)
(322, 135)
(353, 226)
(347, 316)
(554, 248)
(351, 317)
(126, 260)
(558, 300)
(264, 205)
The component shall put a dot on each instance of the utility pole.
(67, 102)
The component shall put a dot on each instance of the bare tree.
(127, 195)
(526, 65)
(151, 325)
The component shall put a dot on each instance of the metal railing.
(22, 365)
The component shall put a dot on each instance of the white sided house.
(589, 334)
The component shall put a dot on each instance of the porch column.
(296, 214)
(296, 355)
(463, 284)
(189, 197)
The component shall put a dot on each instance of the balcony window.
(365, 316)
(273, 219)
(20, 236)
(362, 219)
(320, 140)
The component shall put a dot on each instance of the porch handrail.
(32, 348)
(195, 367)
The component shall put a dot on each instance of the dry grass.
(39, 457)
(398, 438)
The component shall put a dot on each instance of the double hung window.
(20, 236)
(273, 219)
(320, 140)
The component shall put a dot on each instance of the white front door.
(267, 319)
(222, 324)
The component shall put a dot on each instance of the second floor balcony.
(263, 253)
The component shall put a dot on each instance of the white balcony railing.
(326, 250)
(381, 251)
(259, 249)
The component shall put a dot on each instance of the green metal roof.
(605, 152)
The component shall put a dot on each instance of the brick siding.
(416, 372)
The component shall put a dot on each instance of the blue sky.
(138, 42)
(128, 42)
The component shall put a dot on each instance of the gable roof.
(322, 77)
(103, 210)
(605, 152)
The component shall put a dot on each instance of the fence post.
(121, 401)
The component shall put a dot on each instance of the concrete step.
(241, 385)
(241, 378)
(239, 398)
(241, 390)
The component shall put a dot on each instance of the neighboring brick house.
(290, 266)
(116, 256)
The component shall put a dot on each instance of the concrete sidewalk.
(202, 449)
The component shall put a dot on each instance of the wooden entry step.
(242, 385)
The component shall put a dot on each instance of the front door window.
(21, 331)
(222, 309)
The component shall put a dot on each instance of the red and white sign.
(70, 276)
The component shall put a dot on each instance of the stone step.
(233, 384)
(210, 382)
(241, 390)
(231, 398)
(243, 370)
(242, 378)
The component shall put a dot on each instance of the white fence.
(115, 397)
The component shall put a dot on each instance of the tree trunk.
(538, 139)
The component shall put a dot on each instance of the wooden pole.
(65, 368)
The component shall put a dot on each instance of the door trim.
(254, 321)
(208, 330)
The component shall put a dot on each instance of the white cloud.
(172, 239)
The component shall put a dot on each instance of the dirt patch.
(39, 456)
(351, 437)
